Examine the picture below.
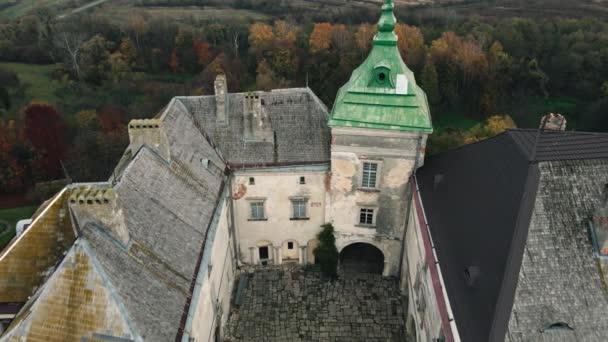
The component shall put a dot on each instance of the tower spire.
(386, 25)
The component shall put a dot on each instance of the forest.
(69, 86)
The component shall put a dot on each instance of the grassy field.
(10, 217)
(37, 81)
(529, 113)
(452, 120)
(17, 8)
(120, 12)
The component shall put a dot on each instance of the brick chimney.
(554, 122)
(257, 126)
(221, 98)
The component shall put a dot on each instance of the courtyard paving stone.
(290, 303)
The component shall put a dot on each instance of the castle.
(490, 242)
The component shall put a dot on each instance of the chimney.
(257, 126)
(553, 122)
(221, 98)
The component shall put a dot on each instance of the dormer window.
(558, 326)
(382, 76)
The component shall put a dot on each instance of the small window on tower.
(370, 171)
(302, 180)
(251, 181)
(290, 245)
(366, 216)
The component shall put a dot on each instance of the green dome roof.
(382, 92)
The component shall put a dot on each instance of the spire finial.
(386, 25)
(387, 19)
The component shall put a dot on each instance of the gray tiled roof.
(560, 279)
(166, 218)
(298, 118)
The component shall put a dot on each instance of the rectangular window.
(302, 180)
(366, 216)
(251, 181)
(257, 210)
(370, 171)
(299, 208)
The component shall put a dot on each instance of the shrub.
(326, 252)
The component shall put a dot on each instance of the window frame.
(256, 202)
(295, 200)
(375, 172)
(374, 213)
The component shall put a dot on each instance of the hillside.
(331, 10)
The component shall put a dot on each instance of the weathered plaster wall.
(213, 302)
(75, 305)
(395, 153)
(276, 187)
(30, 259)
(423, 317)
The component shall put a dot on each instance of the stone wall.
(423, 320)
(216, 278)
(395, 153)
(276, 188)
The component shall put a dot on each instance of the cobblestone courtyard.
(281, 304)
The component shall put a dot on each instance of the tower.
(379, 125)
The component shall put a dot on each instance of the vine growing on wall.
(326, 252)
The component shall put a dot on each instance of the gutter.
(237, 166)
(445, 309)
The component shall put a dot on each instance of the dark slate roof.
(479, 200)
(561, 145)
(298, 118)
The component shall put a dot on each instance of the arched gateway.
(362, 257)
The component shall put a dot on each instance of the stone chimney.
(554, 122)
(99, 204)
(221, 98)
(257, 126)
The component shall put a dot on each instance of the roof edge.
(506, 294)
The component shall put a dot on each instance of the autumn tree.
(411, 45)
(320, 38)
(265, 78)
(261, 38)
(95, 59)
(203, 52)
(364, 36)
(45, 131)
(13, 169)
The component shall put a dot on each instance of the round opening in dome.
(381, 77)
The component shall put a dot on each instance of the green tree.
(326, 252)
(95, 59)
(429, 83)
